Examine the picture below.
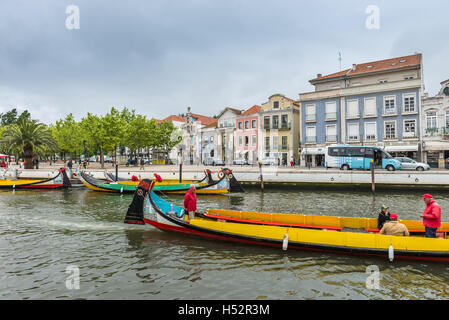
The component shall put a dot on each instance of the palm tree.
(29, 137)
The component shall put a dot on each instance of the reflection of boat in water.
(61, 180)
(341, 235)
(226, 184)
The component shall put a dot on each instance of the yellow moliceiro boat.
(206, 180)
(343, 235)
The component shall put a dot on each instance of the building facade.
(375, 103)
(225, 134)
(435, 124)
(247, 134)
(280, 128)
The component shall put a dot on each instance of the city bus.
(348, 157)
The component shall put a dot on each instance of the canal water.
(46, 237)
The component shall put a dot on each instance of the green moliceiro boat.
(221, 186)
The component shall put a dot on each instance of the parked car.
(240, 161)
(213, 162)
(272, 161)
(410, 164)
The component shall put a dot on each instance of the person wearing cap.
(394, 227)
(190, 202)
(431, 216)
(384, 216)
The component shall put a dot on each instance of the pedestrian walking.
(70, 165)
(142, 164)
(431, 216)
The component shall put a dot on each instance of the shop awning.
(410, 148)
(436, 146)
(312, 151)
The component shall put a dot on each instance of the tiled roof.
(202, 119)
(252, 110)
(374, 66)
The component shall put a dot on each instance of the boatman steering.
(190, 202)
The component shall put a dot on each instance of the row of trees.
(93, 134)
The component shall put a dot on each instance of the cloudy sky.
(160, 56)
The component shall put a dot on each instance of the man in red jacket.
(190, 202)
(431, 216)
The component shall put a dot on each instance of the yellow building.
(280, 120)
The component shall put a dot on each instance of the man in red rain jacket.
(431, 216)
(190, 202)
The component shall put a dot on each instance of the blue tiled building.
(374, 103)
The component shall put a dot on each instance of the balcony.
(431, 131)
(283, 147)
(409, 135)
(265, 126)
(310, 117)
(275, 126)
(311, 139)
(371, 137)
(331, 138)
(267, 148)
(285, 126)
(445, 131)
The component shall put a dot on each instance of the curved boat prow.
(234, 185)
(135, 212)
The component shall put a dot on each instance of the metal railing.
(331, 138)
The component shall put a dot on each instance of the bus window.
(386, 155)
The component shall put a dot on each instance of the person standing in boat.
(384, 216)
(394, 227)
(431, 216)
(190, 202)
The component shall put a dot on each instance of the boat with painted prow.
(222, 186)
(61, 180)
(341, 235)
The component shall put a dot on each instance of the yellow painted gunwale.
(9, 182)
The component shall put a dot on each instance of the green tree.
(68, 134)
(29, 137)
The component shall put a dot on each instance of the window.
(246, 124)
(310, 112)
(284, 121)
(275, 142)
(383, 81)
(310, 134)
(409, 103)
(409, 77)
(353, 131)
(390, 129)
(353, 108)
(389, 105)
(409, 129)
(331, 133)
(331, 110)
(246, 140)
(370, 131)
(253, 124)
(284, 140)
(254, 140)
(266, 122)
(370, 107)
(276, 105)
(267, 143)
(211, 139)
(240, 141)
(431, 120)
(240, 124)
(275, 122)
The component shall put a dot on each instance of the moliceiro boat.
(341, 235)
(206, 180)
(61, 180)
(226, 184)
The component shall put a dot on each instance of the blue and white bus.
(348, 157)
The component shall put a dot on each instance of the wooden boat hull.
(61, 180)
(218, 187)
(207, 179)
(163, 215)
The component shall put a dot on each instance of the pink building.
(247, 134)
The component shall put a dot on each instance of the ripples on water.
(43, 232)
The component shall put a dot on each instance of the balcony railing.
(283, 147)
(353, 138)
(409, 135)
(266, 126)
(311, 139)
(310, 117)
(331, 138)
(275, 126)
(285, 126)
(431, 131)
(445, 130)
(331, 116)
(267, 147)
(371, 137)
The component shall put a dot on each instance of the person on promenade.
(394, 227)
(384, 216)
(190, 202)
(69, 165)
(142, 164)
(431, 216)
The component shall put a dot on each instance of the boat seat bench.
(272, 223)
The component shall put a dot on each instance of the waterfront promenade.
(271, 174)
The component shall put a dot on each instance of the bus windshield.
(387, 155)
